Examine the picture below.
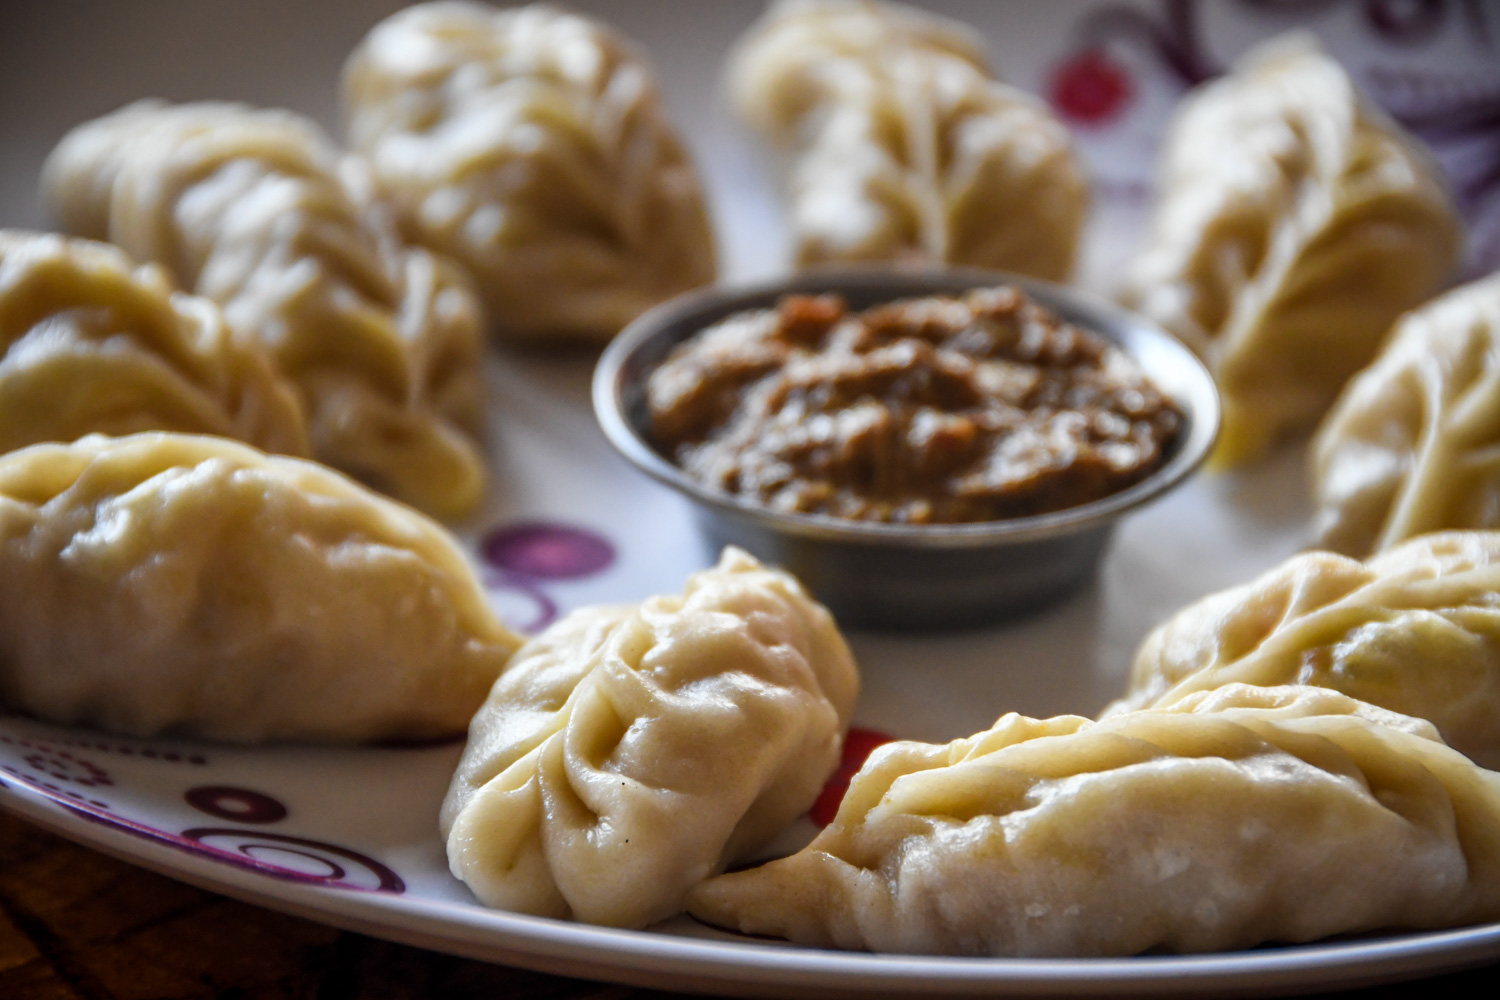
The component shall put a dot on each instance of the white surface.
(380, 802)
(63, 62)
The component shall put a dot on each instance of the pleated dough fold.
(900, 145)
(92, 343)
(257, 210)
(1413, 444)
(1231, 818)
(1294, 222)
(627, 753)
(1415, 630)
(532, 145)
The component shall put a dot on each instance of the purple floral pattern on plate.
(54, 769)
(48, 769)
(1457, 116)
(330, 864)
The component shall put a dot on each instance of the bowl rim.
(704, 306)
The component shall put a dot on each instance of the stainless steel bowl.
(890, 576)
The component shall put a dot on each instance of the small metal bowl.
(893, 576)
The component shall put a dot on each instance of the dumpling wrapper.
(1234, 817)
(1294, 222)
(532, 145)
(167, 583)
(1415, 630)
(1410, 445)
(901, 146)
(92, 343)
(627, 753)
(259, 211)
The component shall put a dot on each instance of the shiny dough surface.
(1293, 223)
(1415, 630)
(1410, 446)
(629, 752)
(92, 343)
(257, 210)
(167, 583)
(900, 145)
(1234, 817)
(532, 144)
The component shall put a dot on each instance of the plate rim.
(666, 961)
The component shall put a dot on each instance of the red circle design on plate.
(858, 745)
(1090, 88)
(242, 805)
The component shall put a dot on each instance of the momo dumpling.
(172, 583)
(629, 752)
(532, 145)
(900, 145)
(257, 210)
(1232, 818)
(1293, 223)
(92, 343)
(1410, 445)
(1415, 630)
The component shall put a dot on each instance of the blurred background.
(1113, 70)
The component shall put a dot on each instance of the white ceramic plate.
(346, 837)
(349, 836)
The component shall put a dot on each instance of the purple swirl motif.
(240, 805)
(522, 557)
(310, 862)
(300, 859)
(1458, 117)
(1461, 122)
(514, 589)
(1175, 37)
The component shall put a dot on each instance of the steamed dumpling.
(1294, 222)
(89, 342)
(901, 146)
(255, 209)
(627, 753)
(1415, 630)
(531, 144)
(1234, 817)
(1410, 445)
(174, 583)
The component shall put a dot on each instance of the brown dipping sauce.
(923, 411)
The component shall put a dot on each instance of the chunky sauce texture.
(923, 411)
